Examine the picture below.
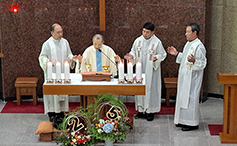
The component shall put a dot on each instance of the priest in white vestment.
(55, 48)
(97, 56)
(150, 50)
(192, 63)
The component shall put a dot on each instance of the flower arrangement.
(73, 132)
(110, 130)
(114, 124)
(77, 139)
(107, 118)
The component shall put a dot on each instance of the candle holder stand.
(139, 81)
(67, 80)
(58, 80)
(49, 80)
(121, 81)
(130, 81)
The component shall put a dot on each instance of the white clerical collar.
(55, 39)
(148, 39)
(193, 40)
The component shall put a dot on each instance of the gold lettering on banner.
(102, 15)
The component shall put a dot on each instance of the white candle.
(138, 70)
(121, 70)
(58, 70)
(49, 70)
(66, 70)
(130, 71)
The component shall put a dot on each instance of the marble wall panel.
(23, 33)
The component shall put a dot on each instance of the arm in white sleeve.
(160, 55)
(43, 57)
(200, 58)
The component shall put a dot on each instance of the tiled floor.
(19, 129)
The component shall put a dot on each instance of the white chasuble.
(189, 83)
(89, 57)
(142, 47)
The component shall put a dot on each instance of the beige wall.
(222, 43)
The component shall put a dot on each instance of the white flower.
(73, 133)
(88, 136)
(79, 137)
(119, 117)
(74, 140)
(100, 130)
(102, 121)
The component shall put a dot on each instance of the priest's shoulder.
(138, 38)
(106, 46)
(157, 39)
(89, 48)
(63, 39)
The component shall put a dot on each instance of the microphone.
(110, 61)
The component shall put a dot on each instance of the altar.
(92, 88)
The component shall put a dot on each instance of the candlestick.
(66, 70)
(130, 70)
(121, 69)
(58, 70)
(49, 69)
(138, 70)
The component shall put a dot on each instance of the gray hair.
(53, 26)
(98, 37)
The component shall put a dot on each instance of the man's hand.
(154, 59)
(191, 58)
(171, 50)
(79, 57)
(128, 56)
(116, 58)
(74, 58)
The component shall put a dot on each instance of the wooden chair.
(170, 84)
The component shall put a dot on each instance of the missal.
(96, 76)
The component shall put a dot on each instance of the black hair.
(150, 26)
(195, 27)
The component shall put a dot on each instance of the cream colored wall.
(222, 51)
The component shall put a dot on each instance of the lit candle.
(66, 70)
(49, 70)
(138, 70)
(58, 70)
(121, 70)
(130, 71)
